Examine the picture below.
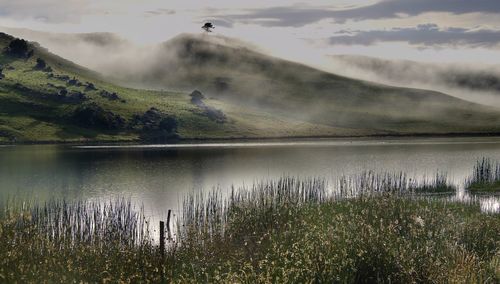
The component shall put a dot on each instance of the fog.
(106, 53)
(158, 66)
(477, 83)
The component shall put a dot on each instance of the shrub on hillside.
(156, 126)
(197, 97)
(40, 64)
(112, 96)
(74, 82)
(90, 87)
(94, 116)
(211, 112)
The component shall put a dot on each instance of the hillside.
(45, 98)
(229, 71)
(64, 102)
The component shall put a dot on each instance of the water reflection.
(159, 176)
(490, 205)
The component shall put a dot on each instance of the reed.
(369, 183)
(485, 176)
(83, 222)
(369, 227)
(438, 183)
(373, 231)
(89, 241)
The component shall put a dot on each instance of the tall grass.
(86, 241)
(286, 230)
(294, 231)
(485, 176)
(369, 183)
(208, 216)
(82, 222)
(438, 183)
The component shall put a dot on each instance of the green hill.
(68, 103)
(229, 71)
(45, 98)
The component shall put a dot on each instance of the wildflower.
(419, 221)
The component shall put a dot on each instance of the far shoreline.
(256, 139)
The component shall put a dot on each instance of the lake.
(159, 176)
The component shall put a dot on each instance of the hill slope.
(62, 101)
(248, 94)
(231, 72)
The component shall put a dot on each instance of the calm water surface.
(160, 176)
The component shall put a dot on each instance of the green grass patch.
(485, 187)
(381, 239)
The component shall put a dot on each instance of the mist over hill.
(46, 98)
(256, 94)
(475, 83)
(102, 52)
(119, 58)
(228, 70)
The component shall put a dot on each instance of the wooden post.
(162, 238)
(168, 224)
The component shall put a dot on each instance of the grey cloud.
(102, 40)
(47, 10)
(160, 12)
(295, 16)
(220, 22)
(391, 8)
(282, 16)
(425, 35)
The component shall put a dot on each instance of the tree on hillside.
(208, 27)
(19, 48)
(197, 97)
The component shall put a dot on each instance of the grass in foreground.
(284, 231)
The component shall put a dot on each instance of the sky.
(424, 30)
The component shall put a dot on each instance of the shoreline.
(257, 139)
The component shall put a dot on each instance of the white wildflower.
(419, 221)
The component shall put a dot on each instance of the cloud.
(424, 35)
(397, 8)
(297, 16)
(160, 12)
(220, 23)
(281, 16)
(54, 11)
